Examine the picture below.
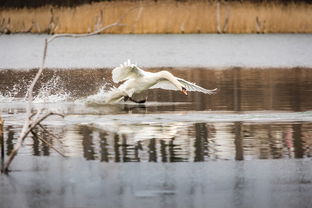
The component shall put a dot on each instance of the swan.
(137, 80)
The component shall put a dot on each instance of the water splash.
(10, 94)
(52, 92)
(6, 98)
(102, 95)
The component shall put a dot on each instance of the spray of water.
(10, 94)
(102, 95)
(5, 99)
(52, 92)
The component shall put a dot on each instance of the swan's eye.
(183, 88)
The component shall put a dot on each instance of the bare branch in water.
(48, 132)
(25, 131)
(47, 143)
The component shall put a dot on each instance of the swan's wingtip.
(214, 91)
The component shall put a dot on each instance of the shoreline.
(165, 17)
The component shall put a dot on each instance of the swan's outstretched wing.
(164, 84)
(126, 71)
(189, 86)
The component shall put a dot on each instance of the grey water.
(250, 145)
(191, 50)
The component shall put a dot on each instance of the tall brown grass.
(163, 17)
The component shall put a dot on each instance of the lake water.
(250, 145)
(257, 114)
(193, 50)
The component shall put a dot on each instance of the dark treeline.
(71, 3)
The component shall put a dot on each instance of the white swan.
(138, 80)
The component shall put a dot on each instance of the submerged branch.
(48, 132)
(47, 143)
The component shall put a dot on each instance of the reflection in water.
(40, 148)
(87, 143)
(103, 147)
(10, 138)
(239, 153)
(35, 145)
(152, 151)
(177, 142)
(298, 145)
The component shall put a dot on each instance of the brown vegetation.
(163, 17)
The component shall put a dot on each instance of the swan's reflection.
(115, 141)
(150, 141)
(180, 141)
(142, 132)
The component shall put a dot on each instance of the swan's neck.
(168, 76)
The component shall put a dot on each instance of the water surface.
(257, 114)
(250, 145)
(192, 50)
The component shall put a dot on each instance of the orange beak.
(184, 91)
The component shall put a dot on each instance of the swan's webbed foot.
(133, 100)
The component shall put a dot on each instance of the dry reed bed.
(163, 17)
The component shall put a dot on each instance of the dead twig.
(84, 35)
(115, 24)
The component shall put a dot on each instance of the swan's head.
(184, 91)
(167, 75)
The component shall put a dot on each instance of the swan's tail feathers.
(126, 71)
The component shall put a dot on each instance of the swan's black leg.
(137, 101)
(126, 98)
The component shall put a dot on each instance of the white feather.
(164, 84)
(138, 81)
(126, 71)
(189, 86)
